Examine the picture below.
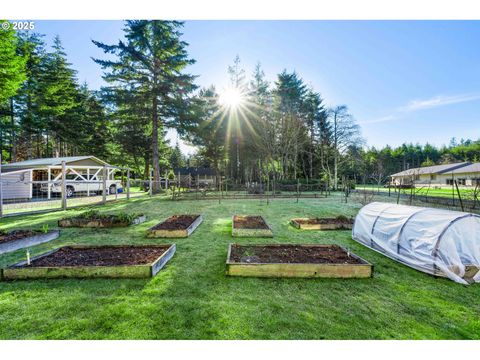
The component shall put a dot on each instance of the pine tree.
(58, 95)
(210, 132)
(150, 62)
(12, 75)
(176, 158)
(27, 102)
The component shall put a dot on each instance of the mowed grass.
(192, 298)
(445, 192)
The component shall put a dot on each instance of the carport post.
(88, 179)
(128, 184)
(104, 184)
(64, 187)
(49, 187)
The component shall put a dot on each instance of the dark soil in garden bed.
(291, 254)
(176, 222)
(17, 235)
(332, 220)
(100, 256)
(249, 222)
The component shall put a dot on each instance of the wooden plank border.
(29, 241)
(251, 232)
(16, 272)
(152, 233)
(298, 270)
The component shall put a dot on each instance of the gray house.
(465, 173)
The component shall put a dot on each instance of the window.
(433, 177)
(462, 181)
(417, 177)
(449, 181)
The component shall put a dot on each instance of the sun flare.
(231, 98)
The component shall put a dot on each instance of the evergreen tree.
(150, 62)
(12, 75)
(31, 120)
(211, 130)
(58, 95)
(176, 158)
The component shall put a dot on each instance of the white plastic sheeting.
(435, 241)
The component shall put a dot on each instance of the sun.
(231, 98)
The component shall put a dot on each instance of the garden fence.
(224, 188)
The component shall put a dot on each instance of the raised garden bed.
(82, 261)
(93, 219)
(331, 223)
(176, 226)
(250, 226)
(288, 260)
(19, 239)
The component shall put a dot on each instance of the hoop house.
(438, 242)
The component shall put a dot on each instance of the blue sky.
(416, 81)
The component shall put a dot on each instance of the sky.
(403, 81)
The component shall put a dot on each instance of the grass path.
(193, 299)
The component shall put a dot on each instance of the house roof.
(435, 169)
(39, 163)
(201, 171)
(472, 168)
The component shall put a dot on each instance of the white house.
(465, 173)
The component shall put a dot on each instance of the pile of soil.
(101, 256)
(249, 222)
(17, 235)
(338, 220)
(176, 222)
(293, 254)
(105, 219)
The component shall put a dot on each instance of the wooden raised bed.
(20, 239)
(103, 222)
(332, 223)
(289, 260)
(82, 261)
(250, 226)
(176, 226)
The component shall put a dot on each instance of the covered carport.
(26, 179)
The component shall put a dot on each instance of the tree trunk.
(146, 171)
(335, 170)
(155, 155)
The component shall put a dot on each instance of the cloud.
(417, 105)
(437, 101)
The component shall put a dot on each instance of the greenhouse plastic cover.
(435, 241)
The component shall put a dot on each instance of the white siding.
(17, 185)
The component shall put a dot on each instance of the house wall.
(17, 185)
(439, 180)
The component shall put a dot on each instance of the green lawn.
(422, 191)
(192, 298)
